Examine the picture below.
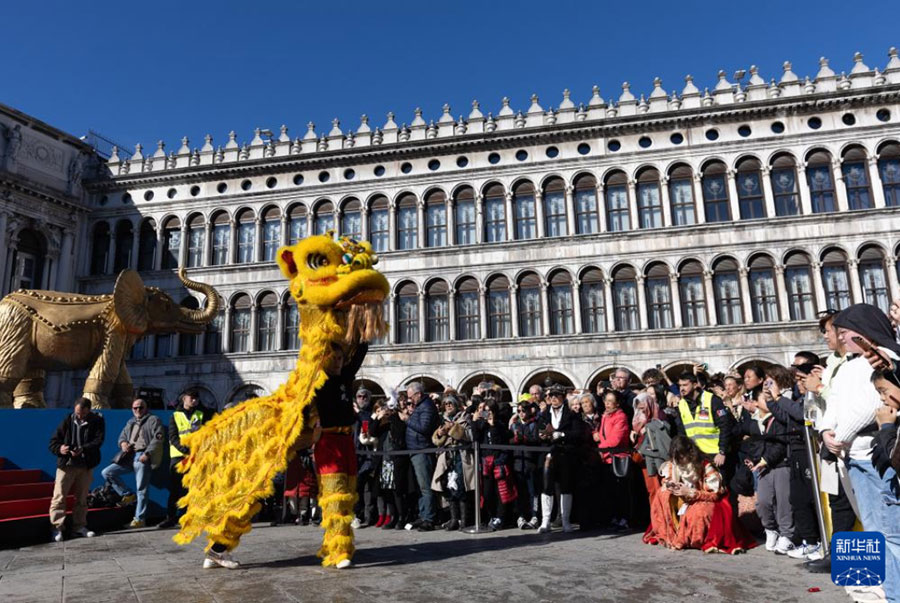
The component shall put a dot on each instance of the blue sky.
(143, 71)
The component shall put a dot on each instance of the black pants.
(561, 472)
(801, 497)
(617, 491)
(176, 489)
(367, 490)
(843, 517)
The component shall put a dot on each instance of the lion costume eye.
(316, 261)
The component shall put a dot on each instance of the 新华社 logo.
(857, 558)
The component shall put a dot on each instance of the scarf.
(640, 419)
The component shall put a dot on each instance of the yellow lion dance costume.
(234, 458)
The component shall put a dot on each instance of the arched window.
(625, 299)
(856, 178)
(408, 314)
(586, 209)
(221, 238)
(171, 243)
(351, 219)
(529, 297)
(240, 324)
(873, 277)
(271, 233)
(246, 235)
(196, 236)
(715, 192)
(290, 339)
(28, 267)
(298, 223)
(798, 280)
(407, 220)
(748, 181)
(379, 224)
(187, 343)
(763, 296)
(499, 315)
(524, 211)
(784, 185)
(467, 310)
(124, 243)
(267, 323)
(681, 195)
(324, 217)
(617, 218)
(494, 214)
(100, 248)
(212, 337)
(465, 216)
(835, 279)
(727, 289)
(659, 297)
(693, 294)
(437, 312)
(821, 184)
(648, 199)
(147, 245)
(436, 219)
(593, 301)
(889, 168)
(554, 201)
(562, 308)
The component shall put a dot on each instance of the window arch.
(763, 294)
(617, 216)
(693, 294)
(29, 261)
(171, 243)
(625, 299)
(351, 218)
(100, 248)
(494, 214)
(187, 343)
(196, 239)
(649, 203)
(498, 308)
(437, 311)
(554, 200)
(681, 195)
(407, 223)
(889, 169)
(436, 219)
(586, 210)
(659, 296)
(821, 183)
(290, 339)
(464, 216)
(240, 323)
(524, 211)
(298, 216)
(748, 182)
(323, 218)
(727, 290)
(408, 313)
(856, 178)
(784, 185)
(221, 238)
(147, 245)
(271, 233)
(835, 279)
(468, 323)
(593, 301)
(267, 323)
(530, 307)
(246, 235)
(124, 243)
(715, 192)
(798, 281)
(873, 277)
(379, 224)
(560, 300)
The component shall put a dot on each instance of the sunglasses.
(137, 408)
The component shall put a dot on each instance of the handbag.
(621, 465)
(124, 458)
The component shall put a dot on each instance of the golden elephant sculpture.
(49, 330)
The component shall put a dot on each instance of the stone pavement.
(279, 564)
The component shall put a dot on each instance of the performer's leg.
(337, 495)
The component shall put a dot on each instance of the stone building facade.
(665, 229)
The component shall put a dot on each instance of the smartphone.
(867, 347)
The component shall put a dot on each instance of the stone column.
(514, 308)
(818, 287)
(183, 247)
(392, 322)
(676, 300)
(540, 215)
(364, 223)
(803, 190)
(206, 260)
(451, 303)
(338, 227)
(160, 240)
(699, 209)
(135, 246)
(642, 303)
(232, 243)
(781, 289)
(709, 290)
(510, 218)
(768, 195)
(4, 252)
(420, 224)
(855, 288)
(279, 327)
(451, 223)
(875, 183)
(570, 210)
(482, 312)
(666, 202)
(392, 226)
(576, 305)
(257, 240)
(610, 307)
(601, 209)
(226, 330)
(111, 253)
(64, 276)
(733, 201)
(253, 344)
(840, 187)
(545, 308)
(893, 289)
(285, 230)
(201, 343)
(422, 318)
(49, 277)
(479, 218)
(632, 205)
(745, 295)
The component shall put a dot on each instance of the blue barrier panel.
(25, 437)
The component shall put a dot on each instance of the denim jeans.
(423, 467)
(113, 475)
(879, 511)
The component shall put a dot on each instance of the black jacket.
(485, 433)
(91, 441)
(767, 443)
(790, 414)
(573, 429)
(334, 400)
(885, 440)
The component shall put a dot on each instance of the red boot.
(380, 522)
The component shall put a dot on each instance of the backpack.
(103, 497)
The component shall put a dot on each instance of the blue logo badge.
(857, 558)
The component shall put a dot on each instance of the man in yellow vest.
(703, 418)
(189, 415)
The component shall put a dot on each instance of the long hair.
(685, 452)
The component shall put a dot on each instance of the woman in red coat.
(613, 440)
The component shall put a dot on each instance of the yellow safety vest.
(184, 427)
(702, 430)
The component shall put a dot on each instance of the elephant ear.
(129, 300)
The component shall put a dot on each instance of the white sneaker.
(344, 564)
(84, 533)
(214, 559)
(817, 555)
(783, 545)
(521, 523)
(771, 539)
(804, 550)
(545, 528)
(57, 535)
(355, 523)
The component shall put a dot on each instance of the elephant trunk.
(207, 314)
